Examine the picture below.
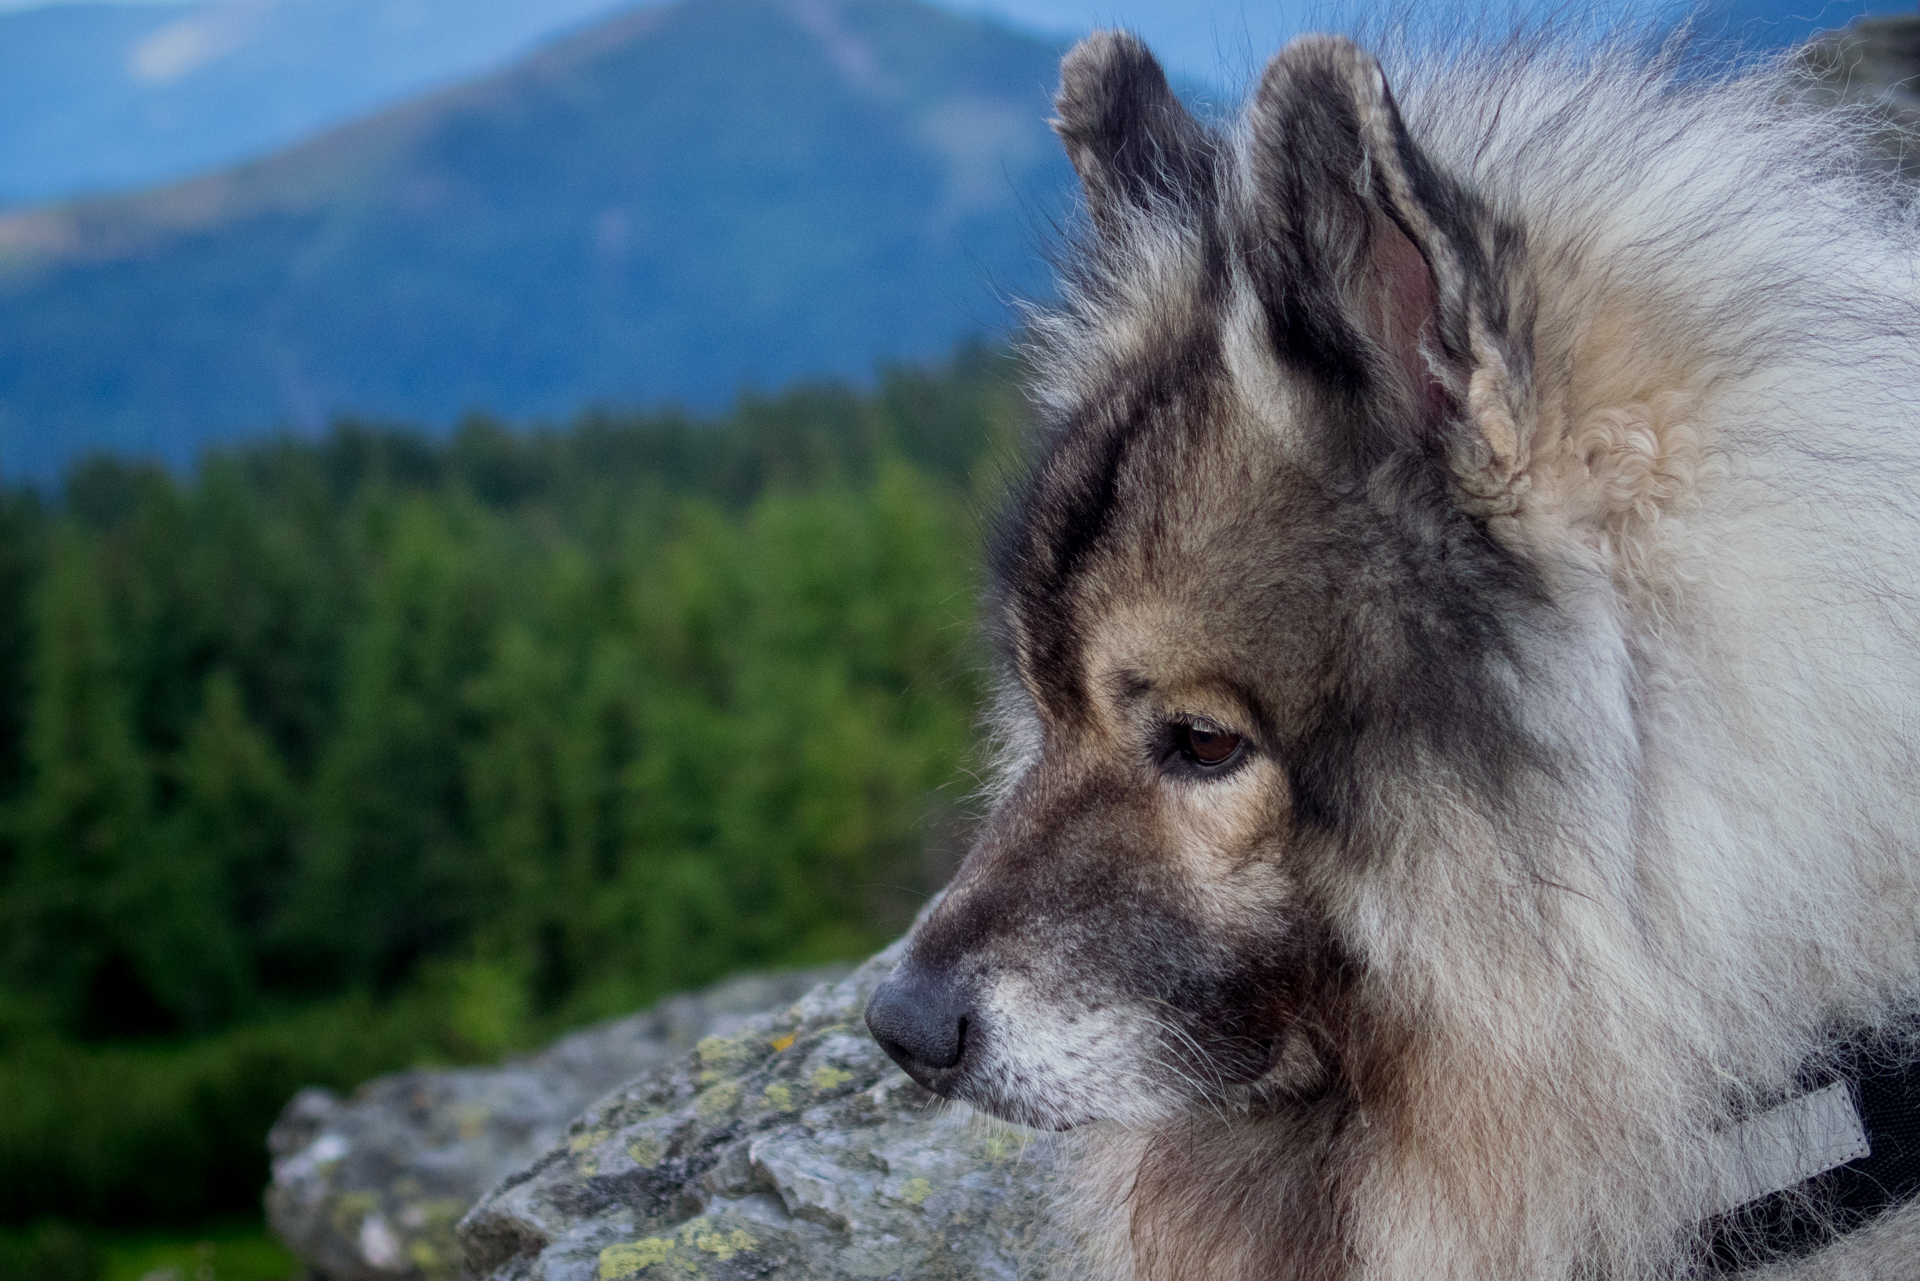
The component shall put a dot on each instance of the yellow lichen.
(618, 1261)
(782, 1042)
(915, 1191)
(718, 1100)
(725, 1051)
(826, 1078)
(723, 1245)
(586, 1138)
(621, 1261)
(1003, 1142)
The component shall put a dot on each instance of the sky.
(36, 4)
(1210, 39)
(1224, 41)
(1198, 36)
(1201, 37)
(1219, 41)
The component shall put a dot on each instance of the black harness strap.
(1883, 1074)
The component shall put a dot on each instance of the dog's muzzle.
(920, 1019)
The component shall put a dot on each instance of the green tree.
(82, 905)
(346, 754)
(386, 874)
(229, 839)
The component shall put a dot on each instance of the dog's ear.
(1134, 145)
(1374, 269)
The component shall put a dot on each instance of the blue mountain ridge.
(671, 205)
(668, 206)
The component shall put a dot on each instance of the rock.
(790, 1148)
(1874, 64)
(369, 1188)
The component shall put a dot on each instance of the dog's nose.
(920, 1020)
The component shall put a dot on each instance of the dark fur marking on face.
(1417, 670)
(1057, 524)
(1068, 889)
(1060, 869)
(1035, 875)
(1256, 708)
(1320, 764)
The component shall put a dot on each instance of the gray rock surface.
(790, 1148)
(369, 1188)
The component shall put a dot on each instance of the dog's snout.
(920, 1019)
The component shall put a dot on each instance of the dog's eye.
(1205, 745)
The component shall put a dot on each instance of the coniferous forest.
(338, 756)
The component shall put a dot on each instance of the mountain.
(102, 97)
(668, 206)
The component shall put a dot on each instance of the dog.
(1461, 724)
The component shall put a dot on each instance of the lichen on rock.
(369, 1188)
(790, 1148)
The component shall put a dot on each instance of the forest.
(342, 755)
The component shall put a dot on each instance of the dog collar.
(1794, 1177)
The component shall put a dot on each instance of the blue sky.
(1224, 40)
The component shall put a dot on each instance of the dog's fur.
(1523, 461)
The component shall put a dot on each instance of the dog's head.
(1248, 598)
